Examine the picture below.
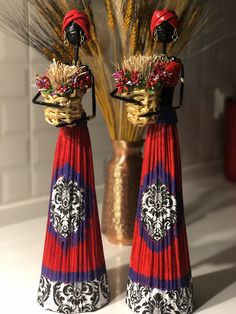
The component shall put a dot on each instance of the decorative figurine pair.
(74, 277)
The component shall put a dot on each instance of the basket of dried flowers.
(62, 89)
(140, 81)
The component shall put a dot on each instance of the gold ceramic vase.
(121, 192)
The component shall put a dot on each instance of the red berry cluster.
(135, 78)
(85, 81)
(82, 82)
(43, 82)
(77, 82)
(63, 89)
(122, 78)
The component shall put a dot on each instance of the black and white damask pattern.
(158, 210)
(142, 299)
(67, 208)
(78, 297)
(44, 290)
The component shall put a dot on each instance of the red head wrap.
(160, 16)
(79, 18)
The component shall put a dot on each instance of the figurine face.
(164, 32)
(75, 34)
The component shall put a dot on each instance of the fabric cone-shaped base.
(159, 274)
(74, 277)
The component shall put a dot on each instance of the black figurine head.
(74, 34)
(76, 28)
(164, 25)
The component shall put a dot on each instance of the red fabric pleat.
(81, 251)
(168, 258)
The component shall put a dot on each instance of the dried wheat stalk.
(140, 63)
(110, 14)
(60, 73)
(134, 37)
(129, 13)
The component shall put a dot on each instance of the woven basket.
(69, 111)
(149, 104)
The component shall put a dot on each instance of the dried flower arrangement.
(150, 73)
(63, 80)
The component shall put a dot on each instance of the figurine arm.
(181, 96)
(113, 94)
(43, 103)
(94, 104)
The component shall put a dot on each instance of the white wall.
(201, 134)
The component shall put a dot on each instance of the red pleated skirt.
(159, 273)
(74, 277)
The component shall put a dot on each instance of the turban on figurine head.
(160, 16)
(79, 18)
